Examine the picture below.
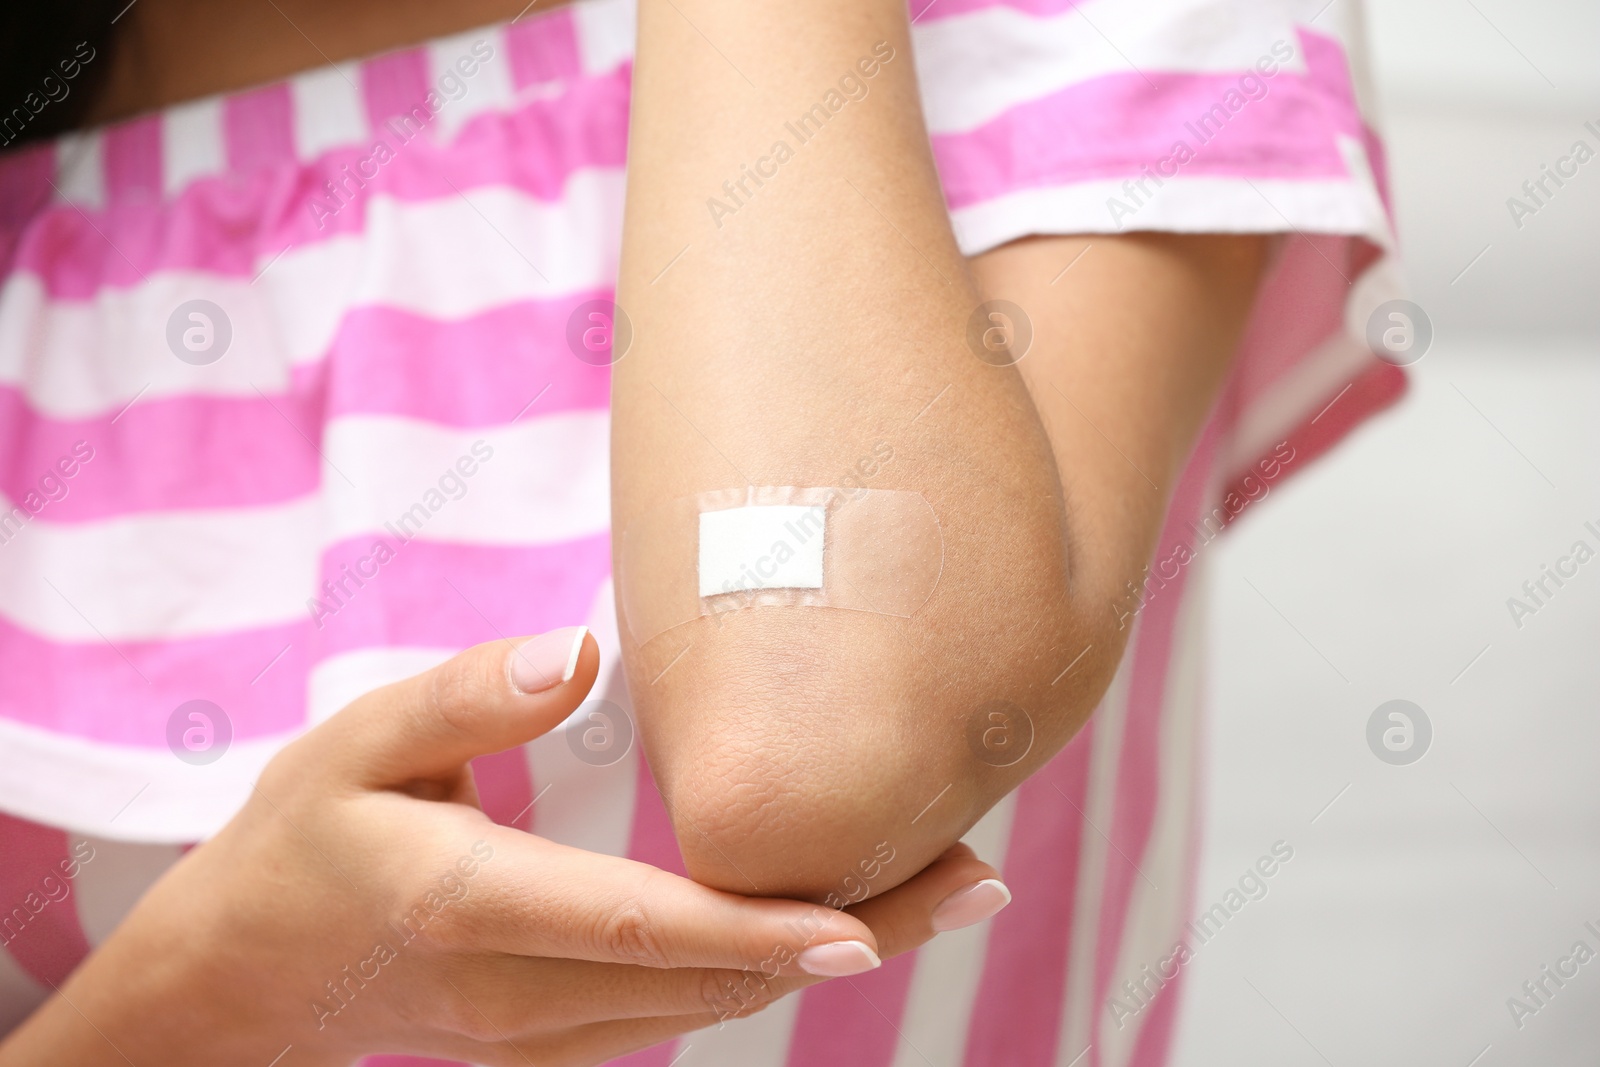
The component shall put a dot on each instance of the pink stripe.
(853, 1020)
(478, 371)
(208, 451)
(132, 160)
(1016, 1017)
(926, 11)
(535, 150)
(505, 787)
(1378, 158)
(544, 49)
(1299, 307)
(186, 452)
(259, 129)
(1138, 782)
(1378, 386)
(25, 191)
(1087, 132)
(1328, 71)
(395, 84)
(25, 177)
(454, 595)
(428, 595)
(42, 934)
(66, 688)
(651, 839)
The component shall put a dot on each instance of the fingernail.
(548, 660)
(973, 904)
(838, 959)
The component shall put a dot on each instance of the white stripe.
(90, 785)
(1359, 164)
(487, 82)
(493, 246)
(1315, 380)
(761, 1040)
(1347, 23)
(606, 31)
(148, 577)
(446, 258)
(974, 67)
(57, 352)
(166, 575)
(1093, 854)
(80, 169)
(1183, 205)
(112, 880)
(192, 144)
(329, 111)
(548, 478)
(949, 969)
(585, 806)
(336, 681)
(1155, 918)
(19, 994)
(581, 805)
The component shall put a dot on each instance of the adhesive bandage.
(877, 550)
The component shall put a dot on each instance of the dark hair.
(53, 61)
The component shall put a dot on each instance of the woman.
(328, 346)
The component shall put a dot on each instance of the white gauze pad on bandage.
(877, 550)
(762, 546)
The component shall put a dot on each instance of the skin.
(826, 312)
(818, 305)
(169, 51)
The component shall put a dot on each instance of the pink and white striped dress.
(389, 319)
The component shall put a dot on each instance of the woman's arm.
(810, 318)
(817, 330)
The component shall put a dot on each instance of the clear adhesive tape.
(876, 550)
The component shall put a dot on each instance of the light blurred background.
(1421, 897)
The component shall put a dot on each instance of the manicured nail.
(973, 904)
(548, 660)
(838, 959)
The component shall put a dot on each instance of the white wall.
(1425, 895)
(1469, 117)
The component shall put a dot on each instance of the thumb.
(487, 699)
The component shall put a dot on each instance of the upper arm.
(1133, 337)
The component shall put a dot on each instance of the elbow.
(830, 756)
(807, 757)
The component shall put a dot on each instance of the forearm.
(819, 324)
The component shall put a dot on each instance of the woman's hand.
(361, 902)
